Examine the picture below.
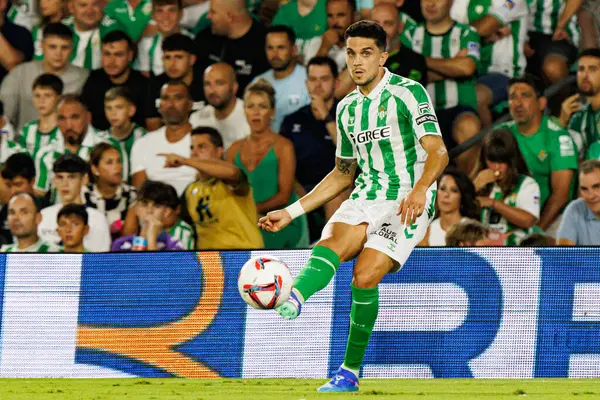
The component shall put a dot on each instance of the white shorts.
(385, 233)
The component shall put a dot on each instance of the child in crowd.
(72, 221)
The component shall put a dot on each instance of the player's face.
(219, 88)
(50, 8)
(56, 51)
(22, 218)
(116, 57)
(219, 18)
(73, 120)
(499, 168)
(589, 188)
(204, 149)
(119, 112)
(86, 13)
(448, 199)
(68, 185)
(279, 50)
(45, 100)
(71, 230)
(18, 184)
(523, 103)
(178, 63)
(364, 59)
(435, 10)
(110, 168)
(259, 112)
(388, 21)
(588, 75)
(167, 17)
(175, 104)
(339, 16)
(320, 82)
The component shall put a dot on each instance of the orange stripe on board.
(154, 345)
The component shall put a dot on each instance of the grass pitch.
(294, 389)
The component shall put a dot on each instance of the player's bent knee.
(366, 279)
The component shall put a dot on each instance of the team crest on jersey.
(382, 113)
(351, 121)
(542, 155)
(372, 135)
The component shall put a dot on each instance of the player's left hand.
(413, 205)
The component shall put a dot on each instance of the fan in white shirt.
(174, 137)
(69, 175)
(225, 112)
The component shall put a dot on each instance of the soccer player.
(72, 226)
(388, 128)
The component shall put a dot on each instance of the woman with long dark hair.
(510, 199)
(455, 200)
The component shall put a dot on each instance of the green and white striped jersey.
(525, 195)
(584, 128)
(544, 15)
(183, 232)
(8, 147)
(593, 152)
(87, 46)
(506, 56)
(47, 155)
(382, 131)
(150, 53)
(23, 13)
(37, 34)
(133, 20)
(125, 146)
(448, 93)
(40, 246)
(32, 139)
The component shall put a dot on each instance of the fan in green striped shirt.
(88, 32)
(23, 220)
(183, 232)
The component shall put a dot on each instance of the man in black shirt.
(117, 54)
(312, 129)
(402, 60)
(233, 37)
(18, 175)
(178, 60)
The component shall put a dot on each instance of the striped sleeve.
(470, 40)
(345, 147)
(43, 165)
(507, 11)
(421, 110)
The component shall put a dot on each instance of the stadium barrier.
(486, 312)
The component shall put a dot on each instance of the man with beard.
(117, 55)
(580, 113)
(77, 136)
(547, 149)
(312, 129)
(174, 137)
(225, 111)
(178, 61)
(286, 76)
(340, 15)
(23, 220)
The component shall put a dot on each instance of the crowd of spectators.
(175, 124)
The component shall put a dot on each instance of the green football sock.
(365, 306)
(317, 273)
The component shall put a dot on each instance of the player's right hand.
(275, 221)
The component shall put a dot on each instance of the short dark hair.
(119, 91)
(117, 36)
(528, 80)
(369, 30)
(324, 61)
(351, 3)
(36, 206)
(160, 193)
(19, 165)
(49, 81)
(215, 136)
(58, 29)
(96, 155)
(291, 35)
(77, 210)
(178, 42)
(70, 162)
(178, 82)
(178, 3)
(589, 53)
(72, 98)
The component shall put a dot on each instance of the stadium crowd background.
(174, 124)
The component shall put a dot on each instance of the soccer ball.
(265, 282)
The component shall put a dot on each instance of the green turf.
(294, 389)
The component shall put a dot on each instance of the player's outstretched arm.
(338, 180)
(413, 205)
